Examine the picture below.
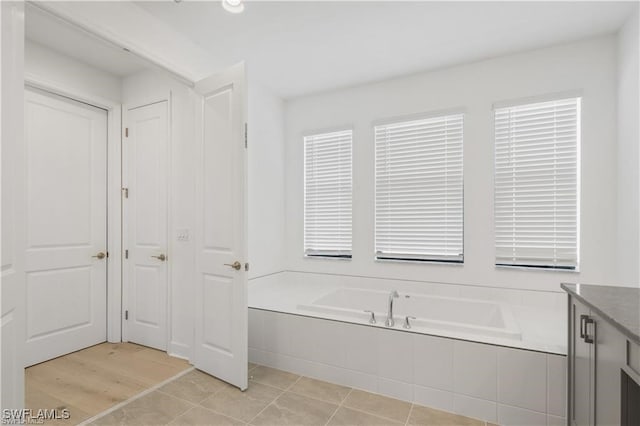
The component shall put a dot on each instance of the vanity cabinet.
(581, 366)
(604, 382)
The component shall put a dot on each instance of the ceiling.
(56, 34)
(297, 48)
(302, 47)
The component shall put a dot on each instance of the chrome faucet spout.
(390, 322)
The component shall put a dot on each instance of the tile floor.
(274, 398)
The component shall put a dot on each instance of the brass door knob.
(161, 257)
(100, 255)
(235, 265)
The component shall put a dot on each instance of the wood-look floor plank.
(94, 379)
(37, 399)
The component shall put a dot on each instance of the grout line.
(218, 412)
(274, 399)
(409, 416)
(339, 406)
(137, 396)
(294, 383)
(173, 422)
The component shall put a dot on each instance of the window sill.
(537, 269)
(420, 262)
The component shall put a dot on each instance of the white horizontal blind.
(419, 190)
(536, 184)
(327, 194)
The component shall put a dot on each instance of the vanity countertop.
(618, 305)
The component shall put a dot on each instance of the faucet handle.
(372, 320)
(407, 325)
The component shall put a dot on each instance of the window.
(536, 184)
(327, 194)
(419, 186)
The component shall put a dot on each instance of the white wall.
(628, 153)
(266, 181)
(589, 66)
(140, 89)
(66, 73)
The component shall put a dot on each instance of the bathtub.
(433, 314)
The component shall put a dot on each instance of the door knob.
(235, 265)
(161, 257)
(100, 255)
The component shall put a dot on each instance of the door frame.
(138, 103)
(114, 193)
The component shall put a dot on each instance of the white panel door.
(12, 316)
(145, 225)
(221, 279)
(65, 258)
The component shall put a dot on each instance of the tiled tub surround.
(509, 381)
(540, 316)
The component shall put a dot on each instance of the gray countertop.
(618, 305)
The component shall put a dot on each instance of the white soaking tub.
(432, 314)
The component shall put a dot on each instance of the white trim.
(147, 101)
(114, 201)
(575, 93)
(170, 240)
(37, 81)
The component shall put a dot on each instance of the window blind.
(536, 184)
(327, 194)
(419, 190)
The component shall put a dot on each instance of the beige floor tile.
(194, 386)
(200, 416)
(252, 366)
(348, 417)
(272, 377)
(379, 405)
(321, 390)
(156, 408)
(430, 416)
(242, 405)
(293, 409)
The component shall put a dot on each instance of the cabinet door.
(581, 369)
(610, 355)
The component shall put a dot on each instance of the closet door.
(66, 222)
(145, 153)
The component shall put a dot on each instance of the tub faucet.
(390, 322)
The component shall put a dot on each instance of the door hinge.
(125, 192)
(126, 254)
(126, 315)
(246, 266)
(246, 131)
(126, 132)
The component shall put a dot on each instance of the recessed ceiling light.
(233, 6)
